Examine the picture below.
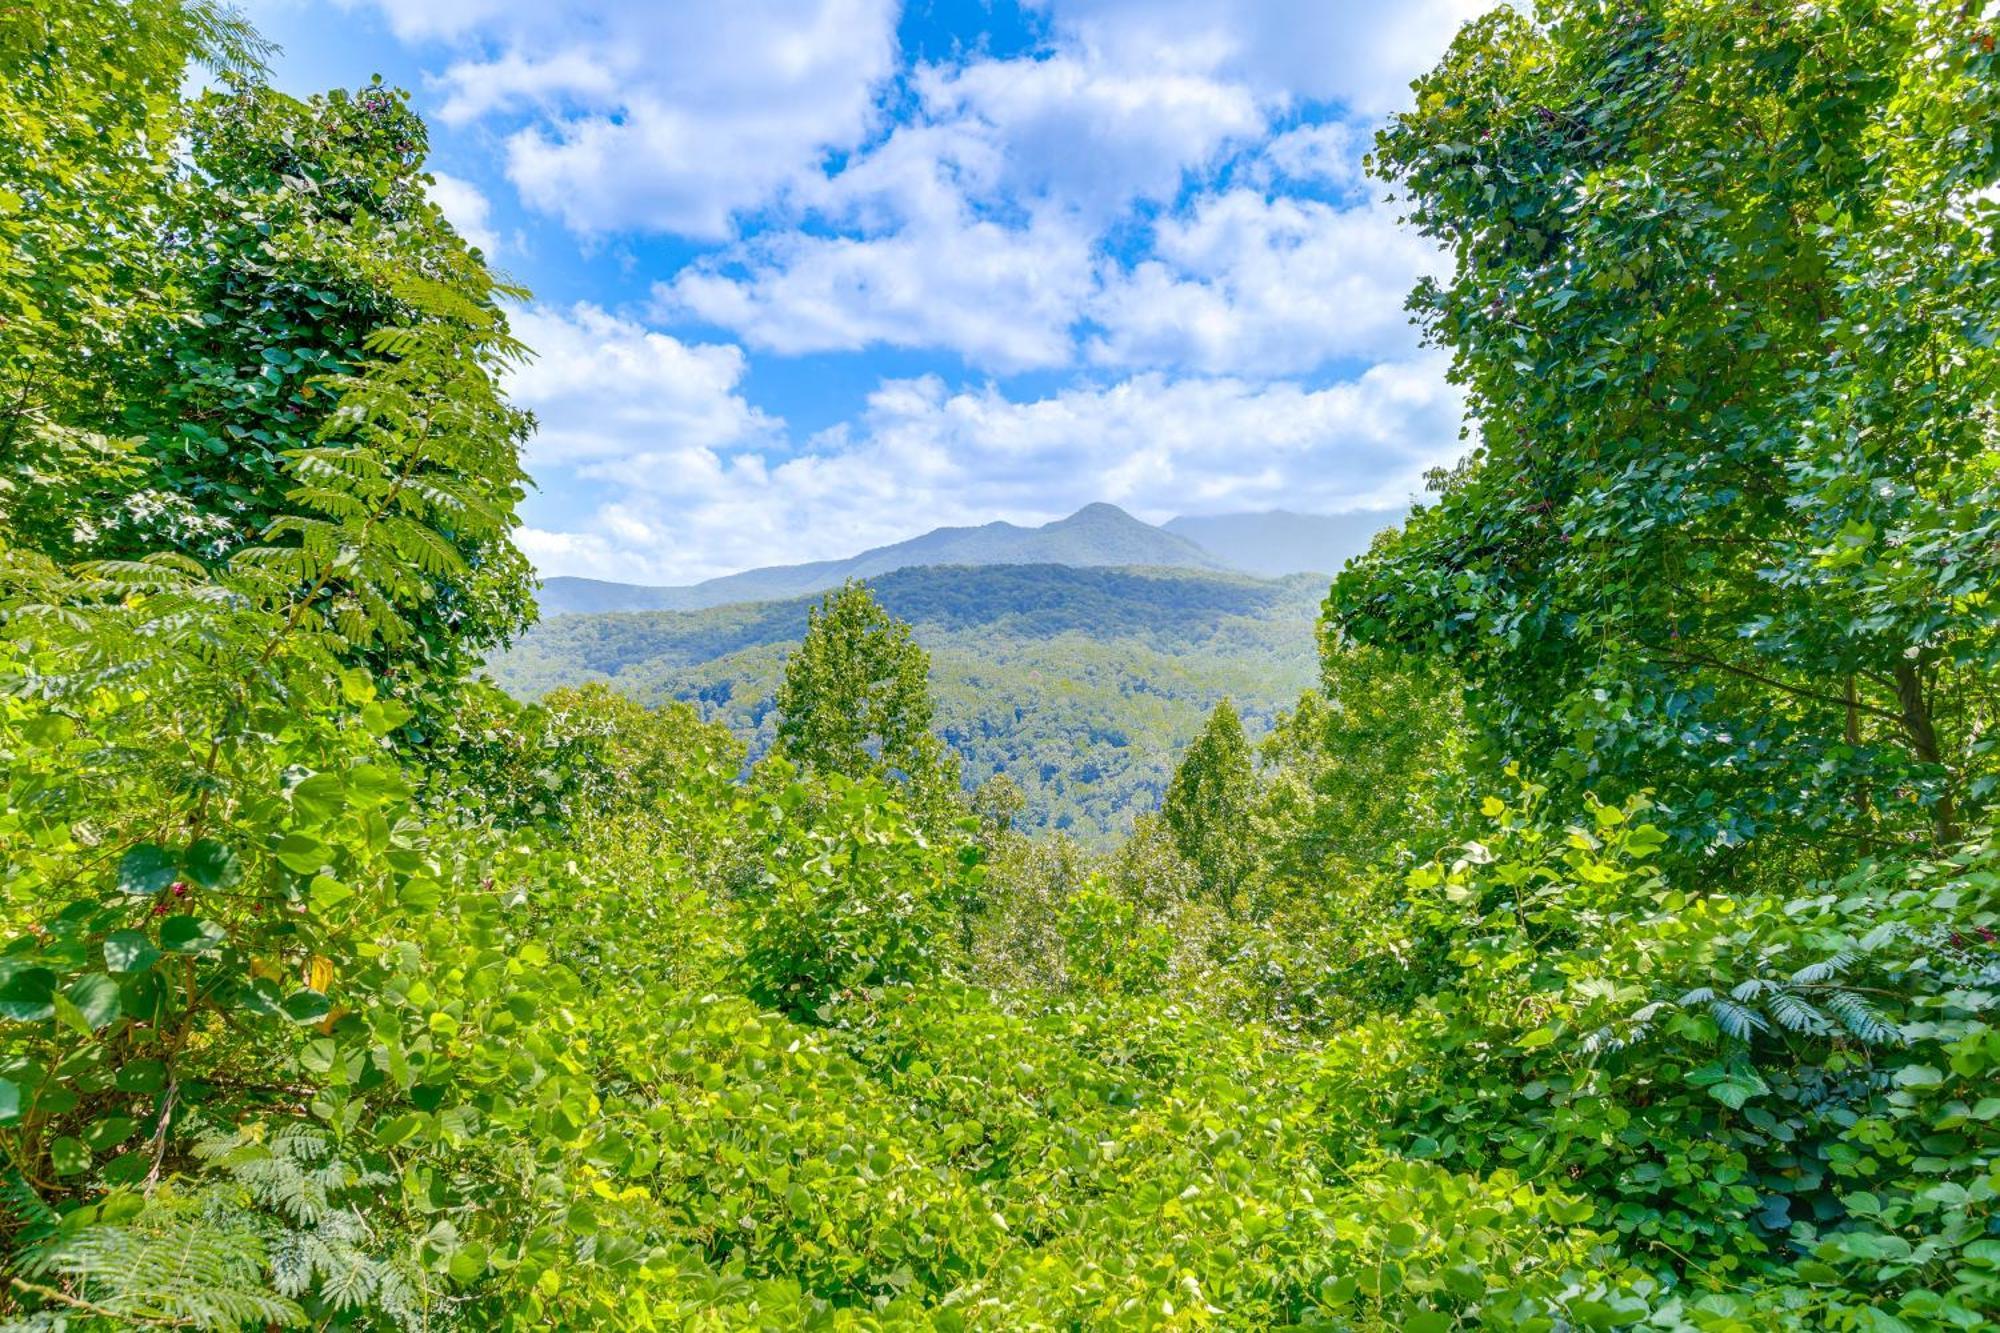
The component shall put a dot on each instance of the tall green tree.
(1722, 300)
(1209, 801)
(304, 248)
(856, 699)
(1368, 770)
(86, 169)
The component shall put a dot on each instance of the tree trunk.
(1853, 737)
(1922, 732)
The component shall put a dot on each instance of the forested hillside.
(1081, 685)
(1606, 937)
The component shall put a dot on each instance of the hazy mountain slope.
(1280, 542)
(1082, 684)
(1096, 535)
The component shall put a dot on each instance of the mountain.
(1280, 542)
(1096, 535)
(1082, 684)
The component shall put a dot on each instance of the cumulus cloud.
(921, 455)
(1327, 154)
(974, 226)
(1255, 285)
(467, 209)
(633, 115)
(1360, 55)
(1086, 136)
(608, 390)
(1001, 297)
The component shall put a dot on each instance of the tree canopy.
(1721, 301)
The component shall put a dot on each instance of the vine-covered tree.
(86, 168)
(303, 248)
(1723, 301)
(856, 699)
(1209, 801)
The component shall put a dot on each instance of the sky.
(811, 276)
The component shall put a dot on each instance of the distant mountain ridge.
(1280, 542)
(1095, 535)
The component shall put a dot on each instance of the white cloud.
(1001, 297)
(468, 210)
(1085, 136)
(416, 20)
(659, 116)
(1252, 285)
(1362, 55)
(1325, 154)
(607, 390)
(974, 227)
(921, 456)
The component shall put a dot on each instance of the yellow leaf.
(319, 974)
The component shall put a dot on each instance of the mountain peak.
(1097, 535)
(1098, 511)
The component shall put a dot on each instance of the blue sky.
(816, 275)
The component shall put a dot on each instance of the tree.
(1208, 804)
(856, 699)
(998, 803)
(305, 248)
(1368, 770)
(1721, 298)
(85, 173)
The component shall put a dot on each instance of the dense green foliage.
(856, 701)
(1724, 302)
(1080, 685)
(1207, 806)
(340, 991)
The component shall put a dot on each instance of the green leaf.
(68, 1156)
(398, 1129)
(212, 865)
(302, 854)
(381, 717)
(140, 1076)
(1737, 1089)
(187, 934)
(372, 785)
(329, 892)
(306, 1006)
(28, 995)
(129, 951)
(1571, 1212)
(320, 797)
(108, 1133)
(10, 1101)
(95, 997)
(146, 870)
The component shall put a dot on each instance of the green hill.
(1081, 684)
